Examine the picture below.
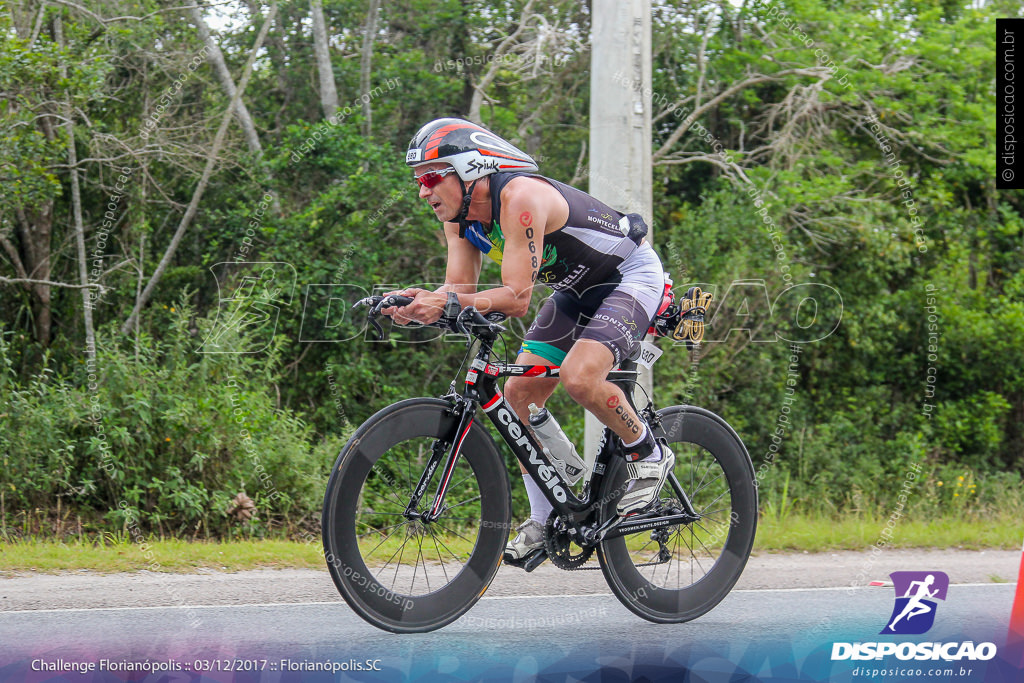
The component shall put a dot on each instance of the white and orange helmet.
(471, 149)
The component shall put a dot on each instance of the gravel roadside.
(89, 590)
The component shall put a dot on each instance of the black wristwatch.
(452, 308)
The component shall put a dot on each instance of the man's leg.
(584, 374)
(520, 392)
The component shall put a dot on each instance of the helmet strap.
(467, 198)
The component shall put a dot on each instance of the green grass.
(160, 555)
(818, 534)
(796, 533)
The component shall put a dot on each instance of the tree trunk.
(76, 206)
(328, 92)
(35, 229)
(197, 195)
(252, 139)
(365, 64)
(220, 67)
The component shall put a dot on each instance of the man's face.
(445, 198)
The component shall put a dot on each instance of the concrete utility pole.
(620, 123)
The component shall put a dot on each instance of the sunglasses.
(433, 178)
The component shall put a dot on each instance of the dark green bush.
(161, 434)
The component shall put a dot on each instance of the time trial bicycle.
(418, 507)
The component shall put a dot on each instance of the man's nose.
(424, 191)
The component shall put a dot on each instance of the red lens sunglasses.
(431, 179)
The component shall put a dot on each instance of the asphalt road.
(753, 628)
(780, 624)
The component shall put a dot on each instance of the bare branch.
(39, 24)
(76, 205)
(49, 283)
(110, 20)
(224, 76)
(19, 267)
(366, 63)
(492, 70)
(328, 90)
(211, 160)
(816, 72)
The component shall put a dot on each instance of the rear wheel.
(680, 572)
(395, 570)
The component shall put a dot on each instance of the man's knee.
(516, 391)
(581, 378)
(520, 392)
(585, 368)
(577, 385)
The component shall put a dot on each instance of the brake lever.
(377, 304)
(460, 323)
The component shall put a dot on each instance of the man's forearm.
(503, 299)
(459, 289)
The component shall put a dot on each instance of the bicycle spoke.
(701, 488)
(372, 530)
(398, 565)
(465, 502)
(389, 560)
(439, 560)
(454, 532)
(455, 486)
(716, 498)
(710, 554)
(710, 514)
(419, 554)
(385, 539)
(695, 558)
(456, 557)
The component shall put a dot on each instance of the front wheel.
(678, 573)
(397, 571)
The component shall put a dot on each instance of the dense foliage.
(827, 169)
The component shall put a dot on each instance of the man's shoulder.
(532, 185)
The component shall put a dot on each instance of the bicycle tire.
(369, 489)
(711, 461)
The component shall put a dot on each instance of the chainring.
(559, 546)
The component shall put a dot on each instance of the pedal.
(533, 560)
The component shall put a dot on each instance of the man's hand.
(426, 307)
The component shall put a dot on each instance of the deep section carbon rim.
(680, 572)
(405, 574)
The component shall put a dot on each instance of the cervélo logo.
(916, 595)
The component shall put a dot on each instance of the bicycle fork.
(437, 454)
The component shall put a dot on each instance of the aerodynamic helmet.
(471, 149)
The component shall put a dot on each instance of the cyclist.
(607, 279)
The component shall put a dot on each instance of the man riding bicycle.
(607, 279)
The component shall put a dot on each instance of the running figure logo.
(916, 593)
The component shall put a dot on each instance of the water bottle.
(557, 447)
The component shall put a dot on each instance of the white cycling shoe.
(647, 479)
(529, 538)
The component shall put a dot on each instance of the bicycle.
(383, 530)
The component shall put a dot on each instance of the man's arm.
(464, 260)
(524, 214)
(528, 204)
(462, 273)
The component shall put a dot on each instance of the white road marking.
(340, 602)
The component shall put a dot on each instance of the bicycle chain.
(575, 562)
